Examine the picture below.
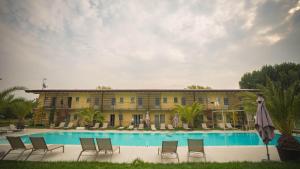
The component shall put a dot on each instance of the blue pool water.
(153, 139)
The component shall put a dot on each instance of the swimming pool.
(153, 139)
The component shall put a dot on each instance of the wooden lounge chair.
(222, 125)
(105, 125)
(70, 125)
(16, 143)
(196, 147)
(131, 127)
(204, 126)
(170, 127)
(39, 143)
(87, 144)
(153, 128)
(96, 126)
(104, 144)
(168, 148)
(141, 126)
(163, 126)
(61, 125)
(229, 126)
(185, 126)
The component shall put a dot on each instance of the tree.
(197, 87)
(283, 105)
(285, 74)
(89, 115)
(7, 99)
(189, 112)
(21, 109)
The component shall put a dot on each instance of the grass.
(141, 165)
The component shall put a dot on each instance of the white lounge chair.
(170, 127)
(163, 126)
(96, 126)
(70, 125)
(204, 126)
(130, 127)
(105, 125)
(141, 126)
(61, 125)
(185, 126)
(229, 126)
(153, 127)
(222, 125)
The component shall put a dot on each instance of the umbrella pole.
(268, 155)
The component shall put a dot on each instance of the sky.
(142, 44)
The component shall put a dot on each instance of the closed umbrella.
(175, 120)
(147, 119)
(263, 123)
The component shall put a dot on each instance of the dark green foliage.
(285, 74)
(141, 165)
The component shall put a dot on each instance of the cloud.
(143, 44)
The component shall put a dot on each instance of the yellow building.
(125, 107)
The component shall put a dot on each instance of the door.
(112, 120)
(156, 121)
(137, 118)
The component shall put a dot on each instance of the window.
(113, 101)
(77, 99)
(120, 116)
(200, 100)
(62, 101)
(165, 100)
(226, 101)
(88, 100)
(97, 101)
(183, 101)
(132, 100)
(140, 101)
(121, 99)
(69, 102)
(157, 101)
(175, 100)
(53, 101)
(75, 117)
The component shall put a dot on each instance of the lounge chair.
(39, 143)
(141, 126)
(121, 127)
(13, 128)
(87, 144)
(163, 126)
(96, 126)
(105, 125)
(168, 147)
(222, 125)
(195, 147)
(61, 125)
(153, 128)
(130, 127)
(185, 126)
(16, 143)
(70, 125)
(104, 144)
(229, 126)
(170, 127)
(204, 126)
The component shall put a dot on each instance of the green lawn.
(141, 165)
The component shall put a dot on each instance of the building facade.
(125, 107)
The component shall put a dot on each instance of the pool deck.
(149, 154)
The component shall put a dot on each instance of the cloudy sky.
(142, 43)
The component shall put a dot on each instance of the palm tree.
(188, 112)
(7, 99)
(21, 109)
(249, 104)
(284, 107)
(88, 115)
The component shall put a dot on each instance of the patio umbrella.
(263, 123)
(147, 119)
(175, 120)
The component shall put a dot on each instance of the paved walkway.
(149, 154)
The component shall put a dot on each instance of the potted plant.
(283, 105)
